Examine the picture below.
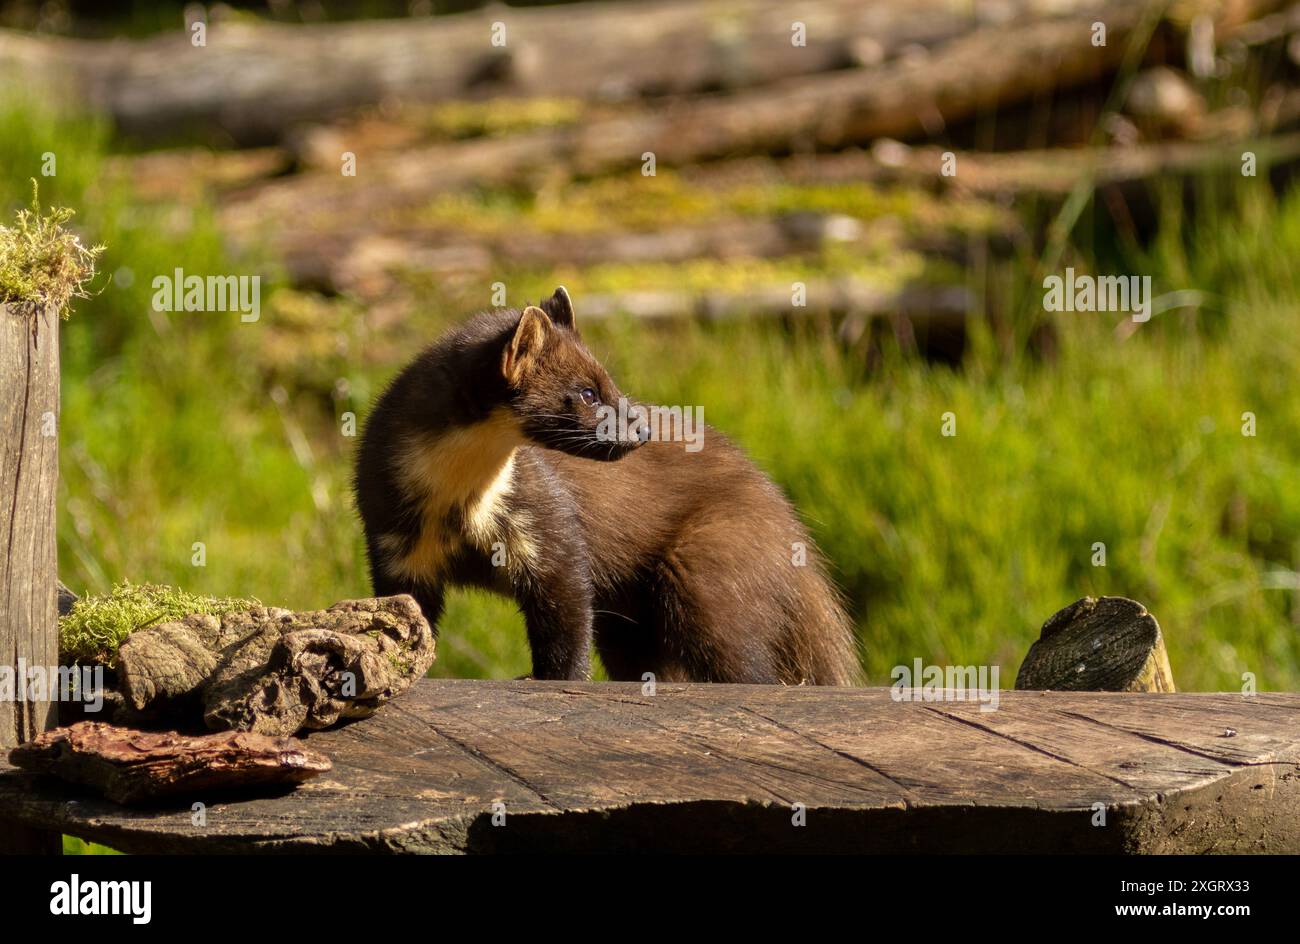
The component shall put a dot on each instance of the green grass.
(185, 428)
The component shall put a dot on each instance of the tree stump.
(1108, 644)
(29, 474)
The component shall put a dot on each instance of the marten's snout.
(638, 424)
(626, 426)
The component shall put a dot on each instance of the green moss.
(501, 116)
(634, 202)
(97, 625)
(41, 262)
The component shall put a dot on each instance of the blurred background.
(918, 166)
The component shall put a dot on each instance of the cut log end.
(1106, 644)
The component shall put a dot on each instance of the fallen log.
(367, 261)
(1107, 644)
(1050, 172)
(254, 82)
(275, 671)
(132, 767)
(1057, 172)
(845, 297)
(915, 96)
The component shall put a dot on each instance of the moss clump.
(97, 625)
(41, 263)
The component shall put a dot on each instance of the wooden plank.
(29, 475)
(602, 767)
(1120, 756)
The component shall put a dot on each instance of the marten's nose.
(638, 424)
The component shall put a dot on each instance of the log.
(253, 82)
(1108, 644)
(275, 671)
(350, 254)
(137, 767)
(916, 96)
(29, 473)
(370, 260)
(605, 767)
(855, 297)
(1058, 171)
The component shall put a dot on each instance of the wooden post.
(29, 474)
(1108, 644)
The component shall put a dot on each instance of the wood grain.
(604, 767)
(1106, 644)
(29, 475)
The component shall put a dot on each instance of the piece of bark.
(130, 766)
(276, 671)
(1107, 644)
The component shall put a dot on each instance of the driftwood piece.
(601, 767)
(129, 766)
(276, 671)
(1108, 644)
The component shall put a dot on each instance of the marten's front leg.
(556, 598)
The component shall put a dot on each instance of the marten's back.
(711, 523)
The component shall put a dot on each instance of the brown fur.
(481, 466)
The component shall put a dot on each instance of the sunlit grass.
(180, 429)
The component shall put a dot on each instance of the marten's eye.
(589, 396)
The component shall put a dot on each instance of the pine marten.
(485, 464)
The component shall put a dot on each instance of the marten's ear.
(527, 343)
(560, 307)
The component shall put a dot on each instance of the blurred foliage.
(185, 427)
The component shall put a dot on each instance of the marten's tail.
(823, 647)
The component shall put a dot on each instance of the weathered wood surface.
(1104, 644)
(719, 768)
(29, 475)
(130, 766)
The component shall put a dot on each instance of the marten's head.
(563, 397)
